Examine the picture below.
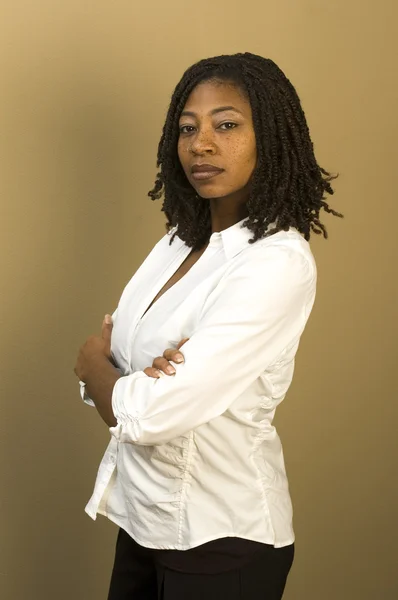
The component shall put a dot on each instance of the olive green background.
(83, 96)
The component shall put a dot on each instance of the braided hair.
(288, 186)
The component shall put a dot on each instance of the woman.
(194, 474)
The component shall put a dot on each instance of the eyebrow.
(187, 113)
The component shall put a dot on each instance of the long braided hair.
(288, 187)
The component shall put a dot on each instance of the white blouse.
(194, 457)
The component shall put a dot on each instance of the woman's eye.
(228, 126)
(186, 128)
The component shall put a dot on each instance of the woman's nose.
(203, 143)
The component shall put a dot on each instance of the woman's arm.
(99, 387)
(95, 368)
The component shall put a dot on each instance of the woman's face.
(217, 145)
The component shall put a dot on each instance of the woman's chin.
(207, 192)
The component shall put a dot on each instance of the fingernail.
(108, 319)
(178, 358)
(170, 370)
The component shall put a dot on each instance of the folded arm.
(258, 309)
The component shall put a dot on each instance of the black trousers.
(138, 575)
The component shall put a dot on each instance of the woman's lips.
(203, 175)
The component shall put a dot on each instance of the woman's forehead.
(210, 95)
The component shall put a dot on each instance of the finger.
(163, 365)
(107, 325)
(154, 373)
(181, 343)
(174, 355)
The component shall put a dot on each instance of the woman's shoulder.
(290, 239)
(288, 249)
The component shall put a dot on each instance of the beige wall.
(84, 90)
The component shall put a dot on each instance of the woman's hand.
(97, 348)
(95, 367)
(162, 365)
